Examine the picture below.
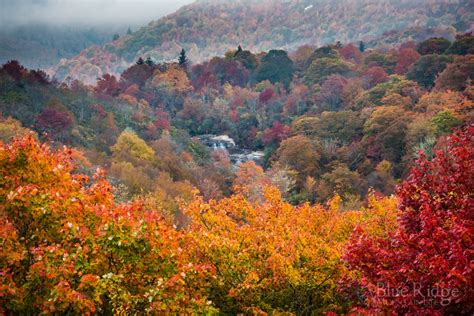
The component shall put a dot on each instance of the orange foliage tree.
(174, 80)
(67, 247)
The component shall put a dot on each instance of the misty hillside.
(212, 27)
(40, 33)
(42, 46)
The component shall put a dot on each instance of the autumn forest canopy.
(318, 160)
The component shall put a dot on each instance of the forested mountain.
(209, 28)
(329, 119)
(325, 179)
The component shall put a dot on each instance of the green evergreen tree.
(183, 60)
(361, 46)
(238, 51)
(149, 61)
(140, 61)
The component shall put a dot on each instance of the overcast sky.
(85, 12)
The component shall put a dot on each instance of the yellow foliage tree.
(132, 162)
(10, 128)
(435, 102)
(275, 256)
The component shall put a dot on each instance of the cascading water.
(236, 154)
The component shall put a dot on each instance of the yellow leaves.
(251, 176)
(174, 80)
(334, 203)
(395, 99)
(272, 195)
(436, 101)
(251, 278)
(130, 147)
(10, 127)
(384, 166)
(380, 217)
(269, 246)
(135, 178)
(228, 91)
(131, 162)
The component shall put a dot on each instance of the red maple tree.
(425, 266)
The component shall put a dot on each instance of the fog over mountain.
(84, 12)
(39, 33)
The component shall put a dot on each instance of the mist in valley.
(55, 29)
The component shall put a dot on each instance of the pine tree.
(361, 46)
(183, 60)
(140, 61)
(149, 61)
(129, 31)
(239, 50)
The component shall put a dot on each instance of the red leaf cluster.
(425, 267)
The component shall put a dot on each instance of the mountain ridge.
(211, 27)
